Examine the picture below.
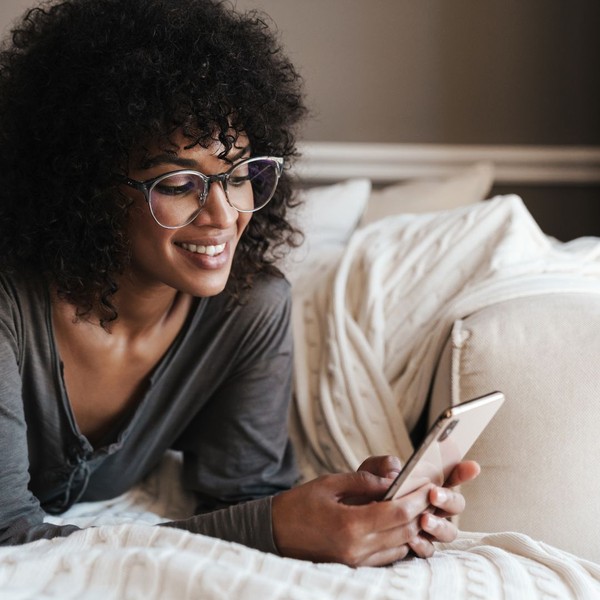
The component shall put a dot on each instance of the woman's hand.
(435, 525)
(339, 518)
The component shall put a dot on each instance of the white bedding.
(391, 301)
(135, 559)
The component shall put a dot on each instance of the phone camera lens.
(448, 430)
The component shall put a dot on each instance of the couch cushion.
(466, 186)
(540, 454)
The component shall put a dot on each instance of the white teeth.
(209, 250)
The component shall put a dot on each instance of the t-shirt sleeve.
(21, 517)
(237, 448)
(248, 523)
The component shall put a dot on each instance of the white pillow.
(327, 216)
(470, 185)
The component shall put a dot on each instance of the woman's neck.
(142, 309)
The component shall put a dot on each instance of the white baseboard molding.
(385, 163)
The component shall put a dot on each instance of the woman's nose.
(216, 210)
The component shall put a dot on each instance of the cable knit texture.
(124, 556)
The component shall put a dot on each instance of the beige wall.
(12, 9)
(447, 71)
(440, 71)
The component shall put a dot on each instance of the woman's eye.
(239, 176)
(238, 181)
(175, 188)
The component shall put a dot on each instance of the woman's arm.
(21, 517)
(248, 523)
(236, 449)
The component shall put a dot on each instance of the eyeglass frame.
(147, 186)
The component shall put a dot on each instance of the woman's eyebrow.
(168, 159)
(186, 163)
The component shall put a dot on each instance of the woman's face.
(195, 259)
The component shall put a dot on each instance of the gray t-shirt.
(220, 395)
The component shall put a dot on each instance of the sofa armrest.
(539, 456)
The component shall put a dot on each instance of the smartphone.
(446, 443)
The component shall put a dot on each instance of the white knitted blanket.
(371, 321)
(125, 557)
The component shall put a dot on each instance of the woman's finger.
(385, 528)
(463, 472)
(447, 502)
(422, 546)
(386, 557)
(383, 466)
(384, 547)
(440, 529)
(391, 514)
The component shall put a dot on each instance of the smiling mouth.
(207, 250)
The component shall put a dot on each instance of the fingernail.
(442, 495)
(432, 523)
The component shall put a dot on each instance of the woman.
(144, 203)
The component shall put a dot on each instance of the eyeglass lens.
(177, 199)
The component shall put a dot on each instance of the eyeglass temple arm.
(138, 185)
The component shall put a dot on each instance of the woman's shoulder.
(23, 311)
(266, 290)
(270, 289)
(268, 299)
(16, 286)
(21, 296)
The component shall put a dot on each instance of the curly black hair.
(85, 82)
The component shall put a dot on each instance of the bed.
(408, 296)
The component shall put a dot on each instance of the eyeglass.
(176, 198)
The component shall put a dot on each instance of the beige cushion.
(540, 455)
(466, 186)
